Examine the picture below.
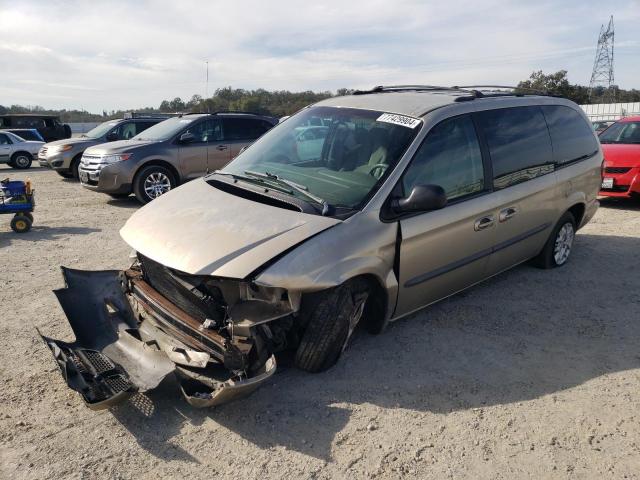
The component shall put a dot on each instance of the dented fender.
(334, 256)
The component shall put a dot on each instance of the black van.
(49, 126)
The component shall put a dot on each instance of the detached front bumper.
(129, 338)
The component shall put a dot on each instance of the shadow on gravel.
(154, 418)
(40, 233)
(522, 335)
(5, 172)
(621, 203)
(126, 202)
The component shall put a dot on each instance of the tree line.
(283, 102)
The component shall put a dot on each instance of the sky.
(112, 54)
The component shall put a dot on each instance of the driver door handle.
(221, 147)
(507, 213)
(482, 223)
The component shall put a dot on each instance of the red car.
(621, 148)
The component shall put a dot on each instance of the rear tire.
(20, 223)
(330, 320)
(21, 160)
(558, 248)
(153, 181)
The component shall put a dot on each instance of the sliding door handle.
(482, 223)
(507, 213)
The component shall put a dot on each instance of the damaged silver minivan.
(356, 210)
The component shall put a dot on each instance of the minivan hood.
(201, 230)
(120, 146)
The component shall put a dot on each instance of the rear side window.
(450, 156)
(519, 144)
(4, 139)
(142, 126)
(243, 128)
(571, 137)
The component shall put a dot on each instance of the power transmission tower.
(602, 75)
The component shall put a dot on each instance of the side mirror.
(187, 137)
(112, 136)
(421, 199)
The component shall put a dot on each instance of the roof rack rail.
(399, 88)
(471, 91)
(226, 111)
(130, 115)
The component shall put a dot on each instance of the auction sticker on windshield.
(399, 120)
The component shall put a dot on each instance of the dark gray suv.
(170, 153)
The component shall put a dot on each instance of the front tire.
(20, 223)
(21, 160)
(73, 168)
(558, 248)
(330, 320)
(153, 181)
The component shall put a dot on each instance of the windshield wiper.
(303, 189)
(250, 179)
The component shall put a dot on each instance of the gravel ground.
(532, 374)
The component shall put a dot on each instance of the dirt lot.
(533, 374)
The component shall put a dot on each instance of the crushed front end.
(133, 328)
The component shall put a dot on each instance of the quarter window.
(571, 137)
(4, 140)
(450, 156)
(519, 144)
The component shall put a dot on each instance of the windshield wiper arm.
(251, 179)
(326, 207)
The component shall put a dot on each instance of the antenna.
(206, 95)
(602, 75)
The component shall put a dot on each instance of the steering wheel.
(378, 167)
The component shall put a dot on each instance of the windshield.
(100, 130)
(340, 155)
(166, 129)
(621, 132)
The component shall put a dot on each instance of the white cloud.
(119, 54)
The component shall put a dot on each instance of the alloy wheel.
(156, 184)
(563, 243)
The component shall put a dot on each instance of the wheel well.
(161, 163)
(15, 154)
(578, 212)
(376, 309)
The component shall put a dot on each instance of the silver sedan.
(16, 151)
